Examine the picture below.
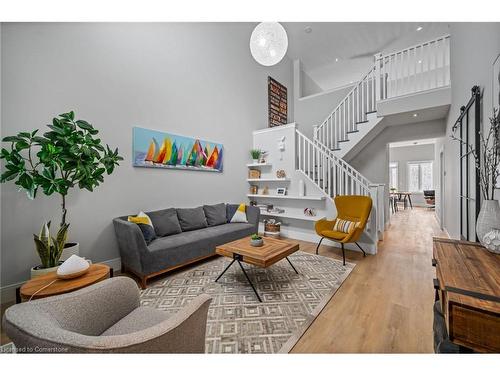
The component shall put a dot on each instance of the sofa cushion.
(236, 213)
(185, 247)
(165, 222)
(143, 221)
(215, 214)
(139, 319)
(191, 218)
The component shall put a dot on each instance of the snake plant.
(49, 248)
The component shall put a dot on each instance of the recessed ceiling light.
(336, 59)
(419, 28)
(420, 61)
(415, 115)
(308, 29)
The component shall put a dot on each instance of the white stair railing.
(421, 67)
(329, 173)
(350, 112)
(334, 176)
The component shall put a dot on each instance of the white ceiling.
(353, 44)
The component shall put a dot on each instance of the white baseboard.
(8, 292)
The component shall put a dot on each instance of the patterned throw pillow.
(344, 226)
(239, 215)
(146, 226)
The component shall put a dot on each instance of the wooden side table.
(33, 288)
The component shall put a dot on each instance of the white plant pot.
(42, 271)
(71, 248)
(488, 218)
(255, 161)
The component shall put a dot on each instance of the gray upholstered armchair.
(105, 318)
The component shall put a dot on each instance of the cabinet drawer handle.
(436, 284)
(434, 262)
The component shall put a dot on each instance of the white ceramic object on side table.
(491, 241)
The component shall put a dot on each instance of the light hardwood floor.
(385, 305)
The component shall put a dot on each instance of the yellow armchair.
(355, 208)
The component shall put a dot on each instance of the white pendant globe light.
(268, 43)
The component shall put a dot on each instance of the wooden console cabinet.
(468, 287)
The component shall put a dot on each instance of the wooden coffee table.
(264, 256)
(37, 287)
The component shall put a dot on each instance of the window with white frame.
(393, 175)
(419, 175)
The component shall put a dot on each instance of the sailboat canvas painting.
(156, 149)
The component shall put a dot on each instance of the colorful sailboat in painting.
(175, 151)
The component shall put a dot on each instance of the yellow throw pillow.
(142, 218)
(344, 226)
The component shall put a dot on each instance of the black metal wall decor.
(467, 128)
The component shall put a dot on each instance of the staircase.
(409, 71)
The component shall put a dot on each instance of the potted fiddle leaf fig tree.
(67, 156)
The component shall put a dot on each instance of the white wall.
(403, 155)
(313, 109)
(191, 79)
(373, 160)
(474, 46)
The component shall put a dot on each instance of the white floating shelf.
(292, 216)
(259, 165)
(307, 198)
(268, 179)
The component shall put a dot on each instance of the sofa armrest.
(131, 244)
(253, 216)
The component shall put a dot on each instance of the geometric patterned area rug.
(237, 321)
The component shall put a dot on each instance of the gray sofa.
(184, 236)
(105, 318)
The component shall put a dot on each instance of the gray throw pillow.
(191, 218)
(165, 222)
(215, 214)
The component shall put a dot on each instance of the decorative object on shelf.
(277, 103)
(281, 191)
(309, 211)
(255, 153)
(256, 240)
(73, 267)
(254, 189)
(272, 228)
(268, 43)
(68, 156)
(280, 173)
(156, 149)
(302, 188)
(487, 170)
(262, 159)
(253, 173)
(253, 203)
(281, 146)
(491, 241)
(265, 190)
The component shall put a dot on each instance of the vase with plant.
(255, 154)
(256, 240)
(487, 161)
(68, 156)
